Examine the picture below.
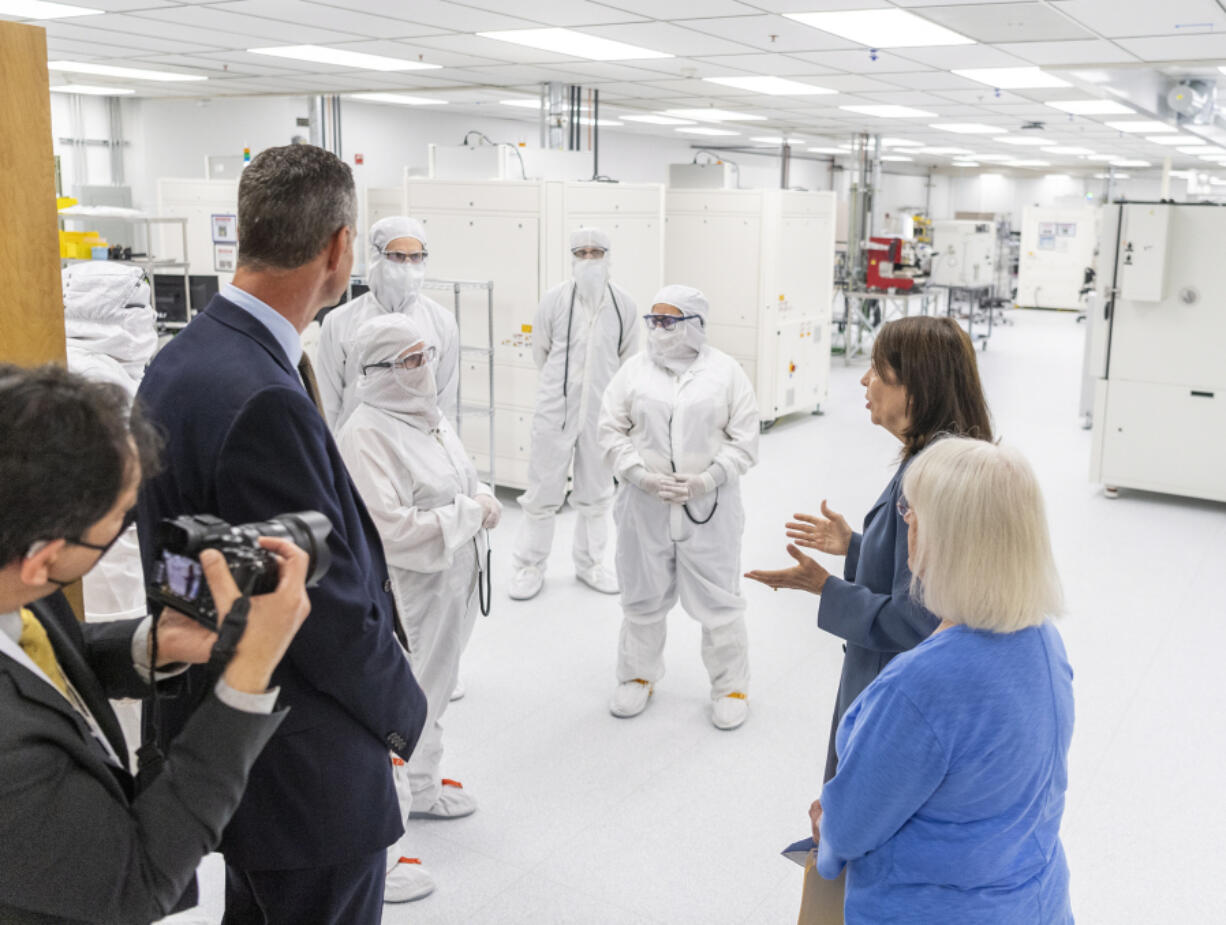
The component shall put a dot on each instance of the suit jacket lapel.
(75, 668)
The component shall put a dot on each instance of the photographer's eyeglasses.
(412, 361)
(129, 518)
(588, 253)
(415, 258)
(668, 322)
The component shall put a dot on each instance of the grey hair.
(983, 556)
(291, 201)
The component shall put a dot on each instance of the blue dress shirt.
(285, 334)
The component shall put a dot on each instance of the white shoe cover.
(526, 583)
(453, 802)
(458, 692)
(631, 698)
(407, 879)
(729, 712)
(599, 579)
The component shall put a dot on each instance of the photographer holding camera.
(246, 442)
(76, 843)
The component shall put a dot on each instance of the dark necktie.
(307, 372)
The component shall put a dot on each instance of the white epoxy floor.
(591, 820)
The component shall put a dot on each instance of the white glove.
(643, 480)
(493, 510)
(681, 488)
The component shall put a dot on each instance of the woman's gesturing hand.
(829, 534)
(806, 575)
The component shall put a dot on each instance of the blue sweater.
(952, 770)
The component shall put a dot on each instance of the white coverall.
(111, 337)
(582, 349)
(420, 488)
(703, 419)
(392, 289)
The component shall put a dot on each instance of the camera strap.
(228, 636)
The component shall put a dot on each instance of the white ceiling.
(709, 38)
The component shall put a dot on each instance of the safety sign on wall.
(225, 229)
(225, 258)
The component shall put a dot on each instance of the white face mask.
(409, 394)
(678, 348)
(396, 286)
(591, 276)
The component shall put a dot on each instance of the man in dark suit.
(246, 441)
(76, 843)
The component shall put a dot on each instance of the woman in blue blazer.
(923, 381)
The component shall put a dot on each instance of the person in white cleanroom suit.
(584, 329)
(111, 337)
(679, 427)
(396, 272)
(432, 514)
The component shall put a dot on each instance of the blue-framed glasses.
(668, 322)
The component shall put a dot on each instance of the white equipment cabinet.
(964, 253)
(1057, 247)
(1157, 337)
(765, 260)
(517, 234)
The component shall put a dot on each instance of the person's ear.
(338, 246)
(35, 568)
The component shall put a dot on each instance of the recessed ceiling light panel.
(574, 44)
(658, 120)
(1091, 107)
(1023, 141)
(882, 28)
(966, 128)
(92, 90)
(1012, 78)
(714, 115)
(703, 130)
(107, 70)
(40, 9)
(400, 99)
(1141, 127)
(323, 54)
(886, 111)
(775, 86)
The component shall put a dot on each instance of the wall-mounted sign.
(225, 229)
(225, 258)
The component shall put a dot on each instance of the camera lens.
(309, 531)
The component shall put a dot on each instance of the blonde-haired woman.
(953, 765)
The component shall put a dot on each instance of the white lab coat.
(704, 419)
(337, 368)
(583, 350)
(419, 486)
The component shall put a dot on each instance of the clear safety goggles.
(412, 361)
(588, 253)
(668, 322)
(401, 257)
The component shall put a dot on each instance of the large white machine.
(1056, 250)
(765, 260)
(1157, 338)
(516, 234)
(964, 253)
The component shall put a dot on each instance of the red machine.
(883, 255)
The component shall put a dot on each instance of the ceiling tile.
(1006, 22)
(1094, 51)
(412, 50)
(1177, 47)
(815, 6)
(1117, 18)
(948, 57)
(441, 14)
(123, 6)
(860, 61)
(571, 14)
(492, 49)
(146, 25)
(581, 72)
(688, 68)
(510, 74)
(636, 91)
(770, 33)
(333, 18)
(984, 95)
(917, 98)
(932, 80)
(245, 28)
(110, 29)
(854, 83)
(669, 38)
(772, 65)
(669, 10)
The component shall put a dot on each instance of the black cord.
(523, 171)
(485, 581)
(570, 317)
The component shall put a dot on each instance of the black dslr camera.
(178, 577)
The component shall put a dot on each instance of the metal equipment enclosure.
(1157, 335)
(964, 253)
(765, 260)
(516, 234)
(1057, 248)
